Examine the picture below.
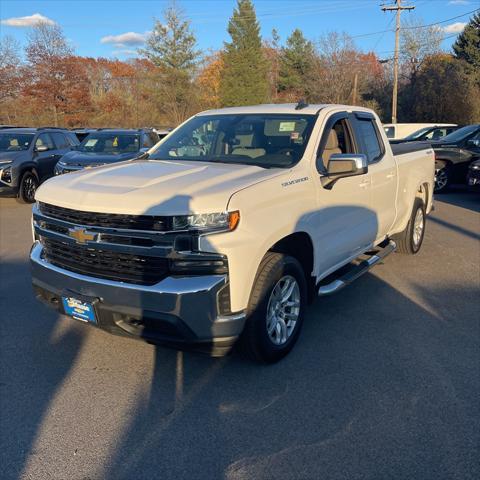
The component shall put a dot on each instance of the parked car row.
(453, 156)
(420, 131)
(455, 149)
(29, 156)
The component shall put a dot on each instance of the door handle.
(364, 184)
(391, 175)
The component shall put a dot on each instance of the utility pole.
(355, 88)
(398, 7)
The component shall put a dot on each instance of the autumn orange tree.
(53, 78)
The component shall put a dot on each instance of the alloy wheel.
(441, 179)
(418, 226)
(283, 310)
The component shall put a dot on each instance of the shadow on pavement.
(372, 390)
(456, 228)
(461, 196)
(35, 362)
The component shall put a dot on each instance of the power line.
(442, 21)
(420, 45)
(415, 27)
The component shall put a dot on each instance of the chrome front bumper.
(182, 312)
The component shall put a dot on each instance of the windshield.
(417, 134)
(250, 139)
(15, 142)
(460, 134)
(110, 143)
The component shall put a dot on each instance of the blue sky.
(117, 27)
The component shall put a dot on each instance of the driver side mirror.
(474, 143)
(41, 148)
(343, 165)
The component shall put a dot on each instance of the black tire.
(28, 187)
(255, 341)
(406, 240)
(443, 178)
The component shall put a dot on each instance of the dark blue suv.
(28, 157)
(105, 146)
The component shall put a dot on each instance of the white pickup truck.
(230, 225)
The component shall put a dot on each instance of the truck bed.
(408, 147)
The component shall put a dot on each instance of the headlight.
(6, 174)
(475, 166)
(4, 162)
(207, 221)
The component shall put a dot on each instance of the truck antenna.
(301, 104)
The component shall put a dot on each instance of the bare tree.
(338, 60)
(10, 76)
(418, 42)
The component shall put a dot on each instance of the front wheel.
(410, 240)
(28, 187)
(276, 308)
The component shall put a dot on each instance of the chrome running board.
(356, 271)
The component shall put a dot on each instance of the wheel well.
(299, 245)
(441, 162)
(422, 193)
(29, 168)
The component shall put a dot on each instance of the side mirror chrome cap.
(342, 165)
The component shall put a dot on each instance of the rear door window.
(369, 136)
(60, 140)
(147, 141)
(154, 138)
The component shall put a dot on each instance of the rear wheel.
(28, 187)
(410, 240)
(276, 308)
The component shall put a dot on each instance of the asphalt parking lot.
(383, 384)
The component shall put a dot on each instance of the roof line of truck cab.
(282, 108)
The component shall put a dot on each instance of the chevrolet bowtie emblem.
(81, 235)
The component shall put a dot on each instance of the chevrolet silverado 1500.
(230, 225)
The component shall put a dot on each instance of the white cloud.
(128, 38)
(28, 21)
(456, 27)
(458, 2)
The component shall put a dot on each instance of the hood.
(12, 156)
(84, 159)
(153, 187)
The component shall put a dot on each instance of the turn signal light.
(233, 219)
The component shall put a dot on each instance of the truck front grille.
(107, 220)
(107, 264)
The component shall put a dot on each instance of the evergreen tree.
(244, 80)
(172, 48)
(172, 45)
(296, 64)
(467, 45)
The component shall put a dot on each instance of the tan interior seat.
(247, 146)
(331, 148)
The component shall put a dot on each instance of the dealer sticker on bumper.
(79, 310)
